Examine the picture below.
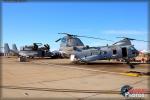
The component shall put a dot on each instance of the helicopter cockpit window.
(100, 53)
(63, 40)
(78, 42)
(132, 48)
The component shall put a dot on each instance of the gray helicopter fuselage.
(33, 51)
(71, 45)
(105, 53)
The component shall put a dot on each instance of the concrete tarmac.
(61, 74)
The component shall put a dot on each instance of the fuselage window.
(100, 53)
(114, 52)
(63, 40)
(105, 52)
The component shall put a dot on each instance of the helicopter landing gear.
(130, 65)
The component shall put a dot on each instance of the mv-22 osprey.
(71, 46)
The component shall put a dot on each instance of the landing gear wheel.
(131, 66)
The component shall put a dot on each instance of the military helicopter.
(34, 50)
(68, 45)
(71, 46)
(31, 51)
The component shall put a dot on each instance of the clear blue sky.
(25, 23)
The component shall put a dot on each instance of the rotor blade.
(94, 38)
(58, 40)
(133, 39)
(85, 36)
(62, 33)
(126, 38)
(66, 34)
(141, 40)
(71, 35)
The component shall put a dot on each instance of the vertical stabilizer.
(14, 48)
(6, 48)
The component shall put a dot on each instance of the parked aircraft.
(30, 51)
(71, 46)
(8, 51)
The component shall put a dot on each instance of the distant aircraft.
(35, 50)
(26, 52)
(8, 51)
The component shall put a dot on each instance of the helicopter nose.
(137, 52)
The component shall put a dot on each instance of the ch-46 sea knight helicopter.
(71, 46)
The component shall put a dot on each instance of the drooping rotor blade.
(141, 40)
(85, 36)
(58, 40)
(126, 38)
(63, 33)
(94, 38)
(133, 39)
(66, 34)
